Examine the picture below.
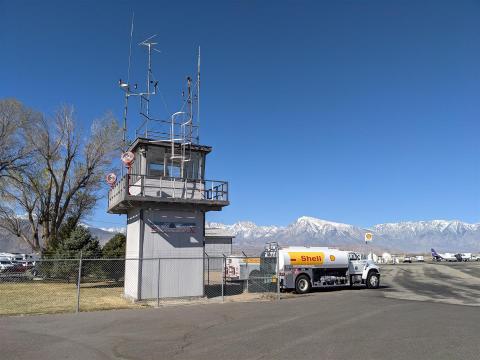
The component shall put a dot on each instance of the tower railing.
(160, 130)
(161, 188)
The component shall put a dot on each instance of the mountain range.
(412, 236)
(10, 243)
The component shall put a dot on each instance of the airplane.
(465, 256)
(444, 257)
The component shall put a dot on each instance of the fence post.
(223, 278)
(245, 282)
(208, 269)
(158, 284)
(277, 270)
(77, 310)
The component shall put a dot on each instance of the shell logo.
(310, 258)
(332, 258)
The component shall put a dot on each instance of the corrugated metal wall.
(132, 252)
(181, 268)
(218, 246)
(182, 275)
(215, 248)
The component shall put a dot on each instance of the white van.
(5, 264)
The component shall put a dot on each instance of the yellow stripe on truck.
(251, 260)
(311, 258)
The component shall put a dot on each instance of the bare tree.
(18, 206)
(12, 152)
(64, 179)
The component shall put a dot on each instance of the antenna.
(146, 96)
(190, 107)
(182, 127)
(125, 86)
(198, 95)
(130, 49)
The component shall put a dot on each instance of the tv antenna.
(181, 128)
(145, 95)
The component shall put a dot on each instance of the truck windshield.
(353, 256)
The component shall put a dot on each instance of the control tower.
(165, 195)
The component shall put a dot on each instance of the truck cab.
(363, 271)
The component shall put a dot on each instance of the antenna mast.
(184, 127)
(125, 111)
(146, 96)
(198, 96)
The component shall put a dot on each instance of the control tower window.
(175, 169)
(192, 167)
(156, 169)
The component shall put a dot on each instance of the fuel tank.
(305, 256)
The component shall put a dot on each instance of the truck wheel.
(302, 284)
(373, 280)
(351, 281)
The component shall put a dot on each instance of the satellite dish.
(127, 158)
(111, 179)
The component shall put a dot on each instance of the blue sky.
(355, 111)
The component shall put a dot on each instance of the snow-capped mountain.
(251, 235)
(417, 236)
(105, 234)
(306, 227)
(115, 230)
(414, 236)
(451, 236)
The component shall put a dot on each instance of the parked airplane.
(444, 257)
(466, 256)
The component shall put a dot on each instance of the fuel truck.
(240, 268)
(301, 268)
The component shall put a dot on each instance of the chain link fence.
(74, 285)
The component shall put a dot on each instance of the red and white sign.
(111, 179)
(127, 158)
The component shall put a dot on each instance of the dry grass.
(51, 297)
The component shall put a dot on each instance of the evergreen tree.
(64, 233)
(113, 249)
(80, 242)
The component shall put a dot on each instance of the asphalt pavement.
(388, 323)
